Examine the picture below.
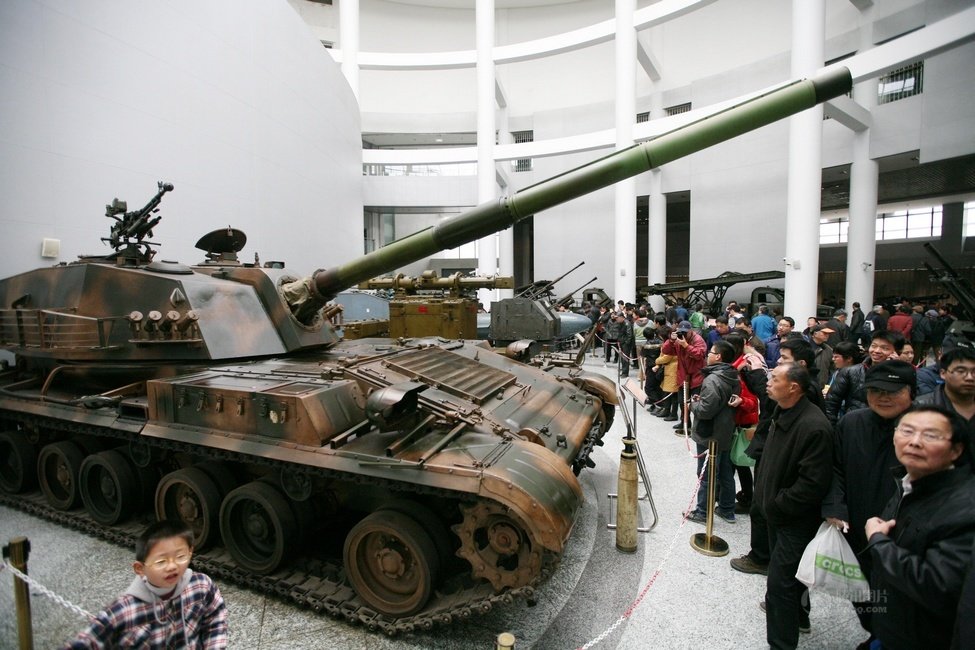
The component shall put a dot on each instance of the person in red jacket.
(690, 350)
(902, 322)
(746, 417)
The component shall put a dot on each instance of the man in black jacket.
(847, 393)
(791, 481)
(863, 455)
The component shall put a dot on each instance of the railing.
(47, 329)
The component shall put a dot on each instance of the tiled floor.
(693, 601)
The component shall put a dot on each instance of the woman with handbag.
(746, 417)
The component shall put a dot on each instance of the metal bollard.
(626, 501)
(706, 543)
(17, 552)
(506, 641)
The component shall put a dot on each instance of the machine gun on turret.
(132, 228)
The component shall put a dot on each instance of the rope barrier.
(39, 588)
(653, 577)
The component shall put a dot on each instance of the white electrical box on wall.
(50, 247)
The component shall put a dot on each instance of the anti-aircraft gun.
(398, 484)
(532, 322)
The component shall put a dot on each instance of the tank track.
(311, 582)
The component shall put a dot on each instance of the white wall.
(233, 101)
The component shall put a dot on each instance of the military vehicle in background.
(962, 330)
(531, 316)
(400, 484)
(710, 293)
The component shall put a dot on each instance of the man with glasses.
(957, 394)
(863, 455)
(921, 544)
(846, 393)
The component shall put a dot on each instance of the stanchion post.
(505, 641)
(626, 499)
(17, 552)
(705, 542)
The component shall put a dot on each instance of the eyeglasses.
(927, 436)
(714, 353)
(180, 560)
(962, 372)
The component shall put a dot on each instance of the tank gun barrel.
(427, 281)
(493, 216)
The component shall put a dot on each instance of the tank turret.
(401, 484)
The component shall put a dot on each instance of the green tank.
(396, 484)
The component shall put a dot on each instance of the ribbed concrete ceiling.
(902, 179)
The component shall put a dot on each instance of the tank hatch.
(452, 373)
(222, 246)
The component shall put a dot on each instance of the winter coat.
(937, 397)
(690, 360)
(863, 457)
(669, 364)
(824, 362)
(901, 322)
(856, 323)
(195, 617)
(796, 466)
(928, 379)
(847, 393)
(713, 417)
(919, 569)
(746, 414)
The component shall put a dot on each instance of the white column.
(861, 247)
(624, 286)
(657, 233)
(805, 167)
(487, 253)
(349, 40)
(657, 230)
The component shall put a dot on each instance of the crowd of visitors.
(863, 420)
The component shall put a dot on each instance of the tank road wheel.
(18, 463)
(190, 496)
(431, 523)
(110, 487)
(391, 562)
(58, 471)
(258, 527)
(497, 546)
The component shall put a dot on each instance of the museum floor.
(694, 601)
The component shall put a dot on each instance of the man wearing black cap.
(818, 335)
(690, 350)
(863, 455)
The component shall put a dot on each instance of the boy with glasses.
(168, 605)
(957, 394)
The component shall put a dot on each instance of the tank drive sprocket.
(498, 546)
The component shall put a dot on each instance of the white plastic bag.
(828, 564)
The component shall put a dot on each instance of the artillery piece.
(395, 484)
